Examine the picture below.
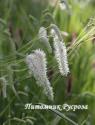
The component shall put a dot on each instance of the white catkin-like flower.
(3, 83)
(61, 56)
(60, 50)
(37, 65)
(55, 32)
(44, 38)
(62, 5)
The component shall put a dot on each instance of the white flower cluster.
(61, 56)
(44, 38)
(60, 50)
(3, 84)
(55, 32)
(38, 67)
(62, 4)
(37, 62)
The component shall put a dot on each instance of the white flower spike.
(60, 50)
(55, 32)
(38, 67)
(62, 5)
(44, 38)
(61, 57)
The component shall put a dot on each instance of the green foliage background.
(19, 25)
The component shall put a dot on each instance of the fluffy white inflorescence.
(3, 83)
(61, 56)
(62, 5)
(60, 51)
(38, 67)
(55, 32)
(44, 38)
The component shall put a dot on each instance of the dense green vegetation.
(20, 22)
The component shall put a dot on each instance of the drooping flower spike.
(60, 50)
(55, 32)
(37, 65)
(44, 38)
(61, 57)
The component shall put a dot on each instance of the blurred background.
(19, 25)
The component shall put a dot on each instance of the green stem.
(64, 117)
